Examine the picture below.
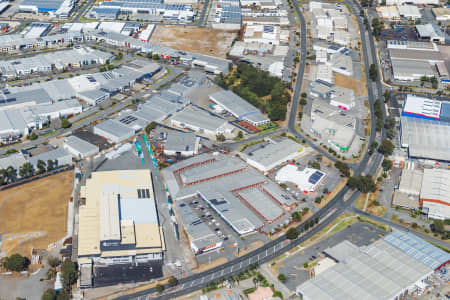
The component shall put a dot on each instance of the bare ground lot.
(194, 39)
(358, 86)
(34, 214)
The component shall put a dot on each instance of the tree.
(150, 127)
(434, 82)
(386, 164)
(65, 123)
(40, 166)
(343, 168)
(172, 281)
(53, 261)
(305, 265)
(387, 96)
(220, 137)
(50, 165)
(11, 174)
(376, 27)
(438, 226)
(49, 294)
(69, 274)
(373, 73)
(240, 134)
(386, 147)
(364, 184)
(282, 277)
(303, 102)
(292, 233)
(26, 170)
(16, 262)
(155, 57)
(296, 216)
(33, 136)
(159, 288)
(3, 176)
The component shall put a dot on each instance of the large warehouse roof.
(417, 248)
(422, 107)
(426, 138)
(275, 152)
(219, 180)
(435, 192)
(382, 270)
(120, 205)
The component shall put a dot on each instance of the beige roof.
(100, 217)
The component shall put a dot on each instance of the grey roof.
(221, 192)
(267, 208)
(379, 271)
(274, 152)
(80, 145)
(199, 233)
(115, 128)
(141, 210)
(200, 118)
(16, 95)
(403, 67)
(15, 160)
(56, 154)
(12, 120)
(233, 103)
(417, 248)
(408, 54)
(180, 141)
(426, 138)
(342, 250)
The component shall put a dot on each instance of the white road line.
(240, 265)
(266, 252)
(231, 270)
(192, 283)
(203, 279)
(212, 276)
(221, 273)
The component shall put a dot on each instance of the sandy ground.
(195, 39)
(34, 214)
(358, 86)
(213, 264)
(253, 246)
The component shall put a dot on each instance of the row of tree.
(10, 174)
(259, 88)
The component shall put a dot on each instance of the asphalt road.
(327, 214)
(95, 117)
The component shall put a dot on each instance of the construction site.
(201, 40)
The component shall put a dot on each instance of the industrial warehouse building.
(201, 121)
(306, 180)
(274, 154)
(435, 193)
(201, 237)
(92, 88)
(244, 199)
(59, 156)
(337, 96)
(425, 128)
(55, 61)
(337, 129)
(238, 107)
(113, 131)
(55, 8)
(18, 122)
(386, 269)
(119, 236)
(408, 192)
(181, 143)
(79, 148)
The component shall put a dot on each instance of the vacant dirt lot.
(34, 214)
(195, 39)
(358, 86)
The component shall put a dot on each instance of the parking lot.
(360, 234)
(92, 138)
(233, 244)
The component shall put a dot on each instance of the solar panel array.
(315, 177)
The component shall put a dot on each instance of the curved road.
(328, 213)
